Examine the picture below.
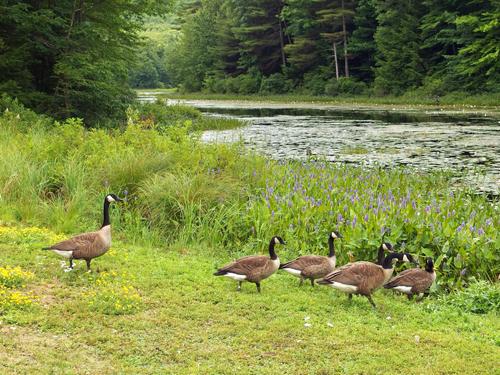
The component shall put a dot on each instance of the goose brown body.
(86, 245)
(313, 266)
(413, 281)
(253, 268)
(363, 277)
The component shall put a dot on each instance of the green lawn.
(175, 317)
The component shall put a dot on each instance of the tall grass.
(223, 196)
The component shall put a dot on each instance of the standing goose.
(414, 281)
(254, 268)
(363, 277)
(88, 245)
(313, 266)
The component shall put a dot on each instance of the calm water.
(466, 144)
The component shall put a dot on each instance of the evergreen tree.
(362, 46)
(307, 49)
(398, 64)
(260, 34)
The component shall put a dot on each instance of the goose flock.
(361, 277)
(355, 277)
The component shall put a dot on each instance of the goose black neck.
(272, 253)
(380, 255)
(105, 219)
(429, 267)
(387, 264)
(331, 247)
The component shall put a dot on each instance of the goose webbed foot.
(258, 287)
(70, 267)
(312, 282)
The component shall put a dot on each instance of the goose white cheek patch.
(110, 199)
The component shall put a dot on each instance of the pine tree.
(399, 65)
(362, 46)
(260, 34)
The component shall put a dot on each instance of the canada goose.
(414, 281)
(313, 266)
(254, 268)
(88, 245)
(363, 277)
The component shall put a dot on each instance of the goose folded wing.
(353, 273)
(416, 278)
(244, 265)
(316, 270)
(81, 241)
(303, 262)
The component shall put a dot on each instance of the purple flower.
(480, 231)
(354, 220)
(488, 221)
(340, 218)
(460, 227)
(366, 217)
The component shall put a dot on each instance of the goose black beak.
(119, 200)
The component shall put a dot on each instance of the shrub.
(275, 84)
(344, 85)
(315, 81)
(480, 297)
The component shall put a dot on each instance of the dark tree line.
(335, 46)
(71, 57)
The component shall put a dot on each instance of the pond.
(467, 144)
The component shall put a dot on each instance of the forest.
(81, 58)
(325, 47)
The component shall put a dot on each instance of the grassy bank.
(454, 101)
(159, 310)
(179, 190)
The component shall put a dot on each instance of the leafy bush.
(275, 84)
(344, 85)
(315, 81)
(479, 297)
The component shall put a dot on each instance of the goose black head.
(429, 265)
(387, 247)
(335, 235)
(278, 240)
(113, 198)
(408, 258)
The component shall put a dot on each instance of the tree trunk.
(335, 59)
(282, 45)
(344, 31)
